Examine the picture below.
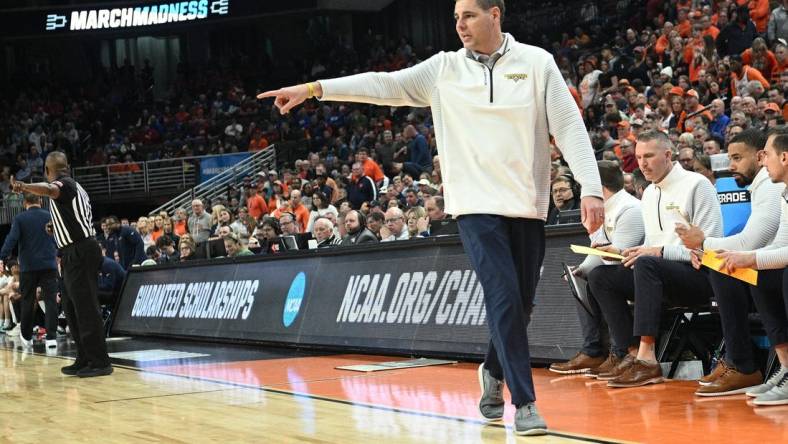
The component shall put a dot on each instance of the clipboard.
(747, 275)
(594, 252)
(579, 289)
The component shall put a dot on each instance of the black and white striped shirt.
(71, 213)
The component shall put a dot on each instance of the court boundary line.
(493, 424)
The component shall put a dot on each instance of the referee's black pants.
(29, 281)
(507, 255)
(81, 264)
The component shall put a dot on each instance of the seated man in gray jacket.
(357, 231)
(623, 229)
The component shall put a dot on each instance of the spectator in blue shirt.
(131, 248)
(419, 152)
(720, 122)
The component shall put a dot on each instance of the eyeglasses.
(392, 220)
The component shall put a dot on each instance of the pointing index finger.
(267, 94)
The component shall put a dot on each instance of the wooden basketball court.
(185, 392)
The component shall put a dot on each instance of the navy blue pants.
(596, 339)
(733, 302)
(507, 255)
(771, 299)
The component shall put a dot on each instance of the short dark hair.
(780, 141)
(439, 202)
(754, 139)
(611, 175)
(488, 4)
(164, 241)
(273, 223)
(377, 216)
(31, 198)
(151, 251)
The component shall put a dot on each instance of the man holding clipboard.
(623, 228)
(771, 293)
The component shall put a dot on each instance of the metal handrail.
(12, 205)
(217, 185)
(155, 177)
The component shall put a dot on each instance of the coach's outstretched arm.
(407, 87)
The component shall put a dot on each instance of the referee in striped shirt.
(73, 230)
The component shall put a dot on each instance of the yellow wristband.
(311, 87)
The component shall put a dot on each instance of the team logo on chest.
(516, 77)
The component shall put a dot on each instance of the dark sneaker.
(716, 373)
(581, 363)
(90, 372)
(71, 370)
(610, 363)
(491, 403)
(528, 422)
(731, 382)
(616, 371)
(638, 374)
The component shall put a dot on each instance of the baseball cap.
(772, 107)
(424, 182)
(273, 173)
(637, 122)
(693, 93)
(677, 90)
(668, 71)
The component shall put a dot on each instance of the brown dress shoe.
(638, 374)
(610, 363)
(616, 371)
(716, 373)
(581, 363)
(731, 382)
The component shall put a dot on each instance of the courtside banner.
(418, 297)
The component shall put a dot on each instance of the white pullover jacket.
(492, 125)
(681, 197)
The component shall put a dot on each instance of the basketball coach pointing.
(73, 230)
(495, 104)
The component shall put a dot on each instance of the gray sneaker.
(491, 404)
(528, 422)
(769, 384)
(778, 395)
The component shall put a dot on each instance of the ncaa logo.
(294, 298)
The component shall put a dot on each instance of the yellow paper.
(747, 275)
(594, 252)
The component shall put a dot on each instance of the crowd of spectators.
(700, 71)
